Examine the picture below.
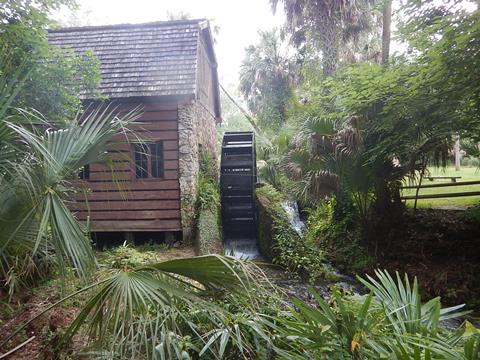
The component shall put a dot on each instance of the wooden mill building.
(170, 70)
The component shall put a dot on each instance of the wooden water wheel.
(238, 177)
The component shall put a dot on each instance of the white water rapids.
(291, 208)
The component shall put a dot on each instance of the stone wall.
(196, 129)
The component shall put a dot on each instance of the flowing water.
(244, 249)
(291, 208)
(291, 284)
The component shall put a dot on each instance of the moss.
(209, 237)
(338, 238)
(271, 216)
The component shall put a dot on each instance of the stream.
(290, 283)
(294, 287)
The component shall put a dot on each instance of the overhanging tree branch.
(245, 113)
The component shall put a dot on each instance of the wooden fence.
(439, 196)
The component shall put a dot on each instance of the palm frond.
(36, 185)
(213, 272)
(149, 310)
(403, 304)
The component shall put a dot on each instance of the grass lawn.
(467, 174)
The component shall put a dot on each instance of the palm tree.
(310, 161)
(386, 29)
(323, 154)
(266, 75)
(328, 21)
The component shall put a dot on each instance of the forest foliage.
(359, 123)
(336, 119)
(52, 82)
(359, 130)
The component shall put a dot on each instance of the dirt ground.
(45, 330)
(442, 249)
(48, 329)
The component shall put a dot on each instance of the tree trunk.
(422, 173)
(456, 149)
(386, 30)
(328, 35)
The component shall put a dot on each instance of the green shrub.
(473, 213)
(474, 162)
(279, 242)
(338, 238)
(208, 190)
(208, 193)
(465, 162)
(129, 256)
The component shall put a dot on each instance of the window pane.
(84, 173)
(156, 149)
(141, 161)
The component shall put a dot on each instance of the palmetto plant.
(38, 159)
(415, 327)
(270, 159)
(266, 76)
(175, 309)
(310, 160)
(390, 323)
(327, 157)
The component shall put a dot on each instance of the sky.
(238, 22)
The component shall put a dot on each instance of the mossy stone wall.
(209, 237)
(280, 243)
(197, 132)
(270, 215)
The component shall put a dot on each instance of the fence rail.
(440, 196)
(475, 182)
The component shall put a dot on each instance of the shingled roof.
(138, 60)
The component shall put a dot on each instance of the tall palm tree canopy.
(265, 79)
(326, 24)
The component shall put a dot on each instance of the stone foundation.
(196, 129)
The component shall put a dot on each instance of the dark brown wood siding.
(115, 200)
